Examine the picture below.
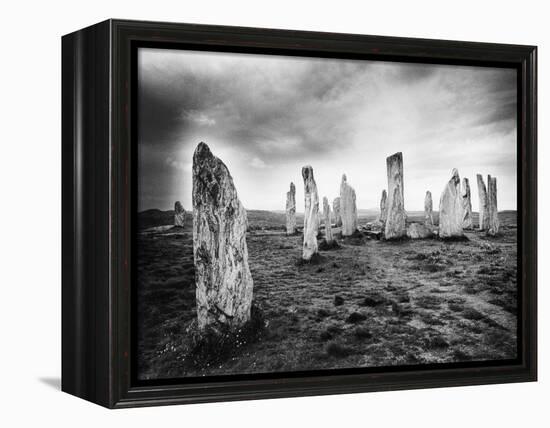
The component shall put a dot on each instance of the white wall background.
(30, 213)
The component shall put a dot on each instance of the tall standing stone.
(336, 210)
(450, 209)
(179, 215)
(291, 210)
(222, 276)
(483, 204)
(328, 221)
(396, 221)
(348, 208)
(494, 224)
(383, 207)
(311, 214)
(466, 205)
(428, 209)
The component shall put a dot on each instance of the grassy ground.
(368, 303)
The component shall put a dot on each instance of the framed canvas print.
(253, 213)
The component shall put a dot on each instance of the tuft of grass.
(418, 256)
(431, 268)
(472, 314)
(456, 307)
(485, 270)
(460, 355)
(400, 310)
(338, 350)
(323, 313)
(371, 301)
(338, 300)
(356, 317)
(325, 336)
(429, 302)
(330, 332)
(437, 342)
(362, 333)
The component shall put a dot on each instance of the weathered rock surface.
(328, 221)
(483, 203)
(348, 208)
(336, 210)
(179, 215)
(395, 226)
(383, 207)
(428, 209)
(467, 222)
(311, 214)
(494, 224)
(291, 210)
(450, 209)
(222, 276)
(419, 231)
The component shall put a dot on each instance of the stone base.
(419, 231)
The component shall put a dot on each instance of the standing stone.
(222, 276)
(337, 214)
(328, 221)
(179, 215)
(419, 231)
(348, 208)
(483, 204)
(311, 214)
(383, 207)
(466, 205)
(450, 209)
(494, 224)
(396, 221)
(428, 209)
(291, 210)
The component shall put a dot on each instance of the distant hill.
(260, 219)
(154, 218)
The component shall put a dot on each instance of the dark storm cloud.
(250, 109)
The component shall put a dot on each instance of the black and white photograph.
(300, 214)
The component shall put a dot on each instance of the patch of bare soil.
(368, 303)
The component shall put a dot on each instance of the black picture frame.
(98, 202)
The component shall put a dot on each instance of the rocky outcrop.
(311, 214)
(222, 276)
(419, 231)
(179, 215)
(428, 209)
(494, 224)
(336, 210)
(467, 222)
(348, 208)
(328, 221)
(450, 209)
(383, 207)
(395, 226)
(483, 204)
(291, 210)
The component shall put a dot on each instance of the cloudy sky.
(267, 116)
